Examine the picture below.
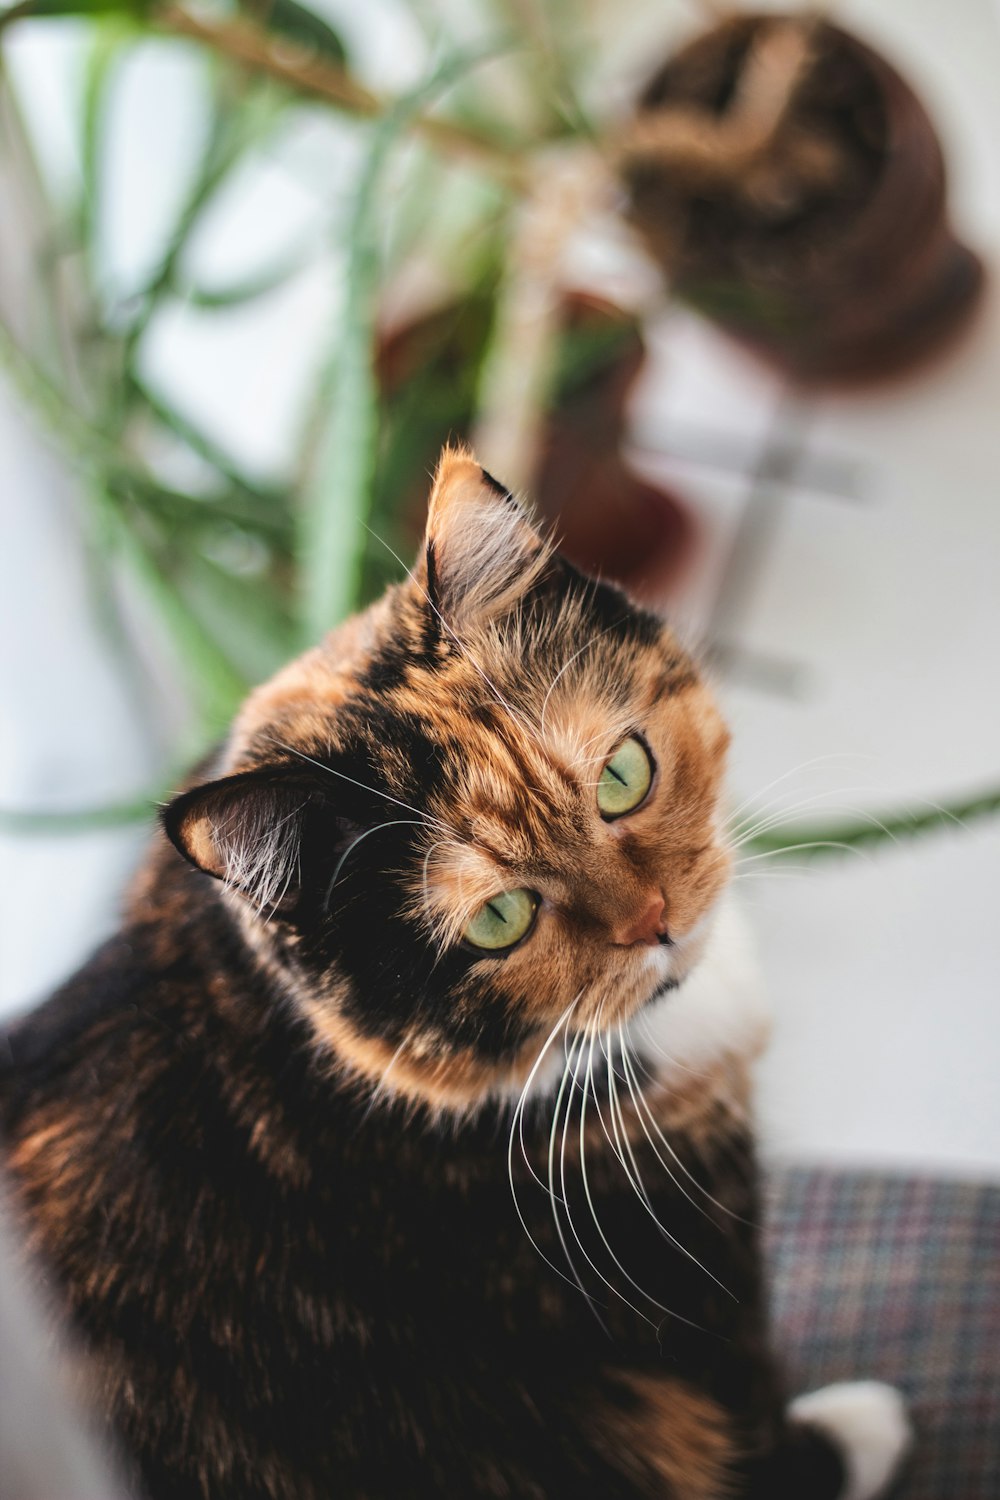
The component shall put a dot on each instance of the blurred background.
(716, 290)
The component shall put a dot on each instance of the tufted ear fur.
(245, 830)
(482, 552)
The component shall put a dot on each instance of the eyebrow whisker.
(426, 817)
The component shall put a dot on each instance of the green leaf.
(337, 494)
(247, 616)
(300, 25)
(260, 284)
(267, 502)
(41, 9)
(107, 46)
(236, 127)
(217, 686)
(55, 821)
(192, 517)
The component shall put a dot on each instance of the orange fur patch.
(671, 1436)
(418, 1070)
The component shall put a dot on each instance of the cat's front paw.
(867, 1423)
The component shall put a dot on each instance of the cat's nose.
(650, 927)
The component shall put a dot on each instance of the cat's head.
(486, 804)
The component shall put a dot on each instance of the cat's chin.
(707, 1000)
(670, 967)
(661, 989)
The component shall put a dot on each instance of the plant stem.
(255, 48)
(516, 379)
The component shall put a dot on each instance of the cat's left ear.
(245, 830)
(482, 551)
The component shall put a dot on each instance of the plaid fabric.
(898, 1279)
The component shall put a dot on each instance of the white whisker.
(517, 1128)
(578, 1060)
(435, 845)
(795, 770)
(751, 859)
(641, 1104)
(394, 823)
(639, 1186)
(619, 1156)
(551, 1184)
(381, 1089)
(427, 817)
(751, 830)
(567, 664)
(675, 1062)
(587, 1089)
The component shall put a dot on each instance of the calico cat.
(399, 1144)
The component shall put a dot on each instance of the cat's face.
(489, 801)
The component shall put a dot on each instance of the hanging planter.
(605, 518)
(792, 187)
(608, 520)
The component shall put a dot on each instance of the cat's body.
(347, 1202)
(344, 1296)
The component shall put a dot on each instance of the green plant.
(242, 570)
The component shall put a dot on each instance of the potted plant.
(792, 186)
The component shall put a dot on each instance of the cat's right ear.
(245, 830)
(482, 551)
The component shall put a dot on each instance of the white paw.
(867, 1423)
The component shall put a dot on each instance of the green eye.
(625, 780)
(502, 921)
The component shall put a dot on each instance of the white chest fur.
(719, 1011)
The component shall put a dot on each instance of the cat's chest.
(518, 1229)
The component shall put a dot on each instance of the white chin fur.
(718, 1011)
(866, 1422)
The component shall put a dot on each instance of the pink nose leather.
(647, 928)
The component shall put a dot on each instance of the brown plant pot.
(829, 250)
(608, 521)
(604, 518)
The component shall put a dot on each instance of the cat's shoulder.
(87, 1035)
(53, 1031)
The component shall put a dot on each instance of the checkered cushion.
(897, 1278)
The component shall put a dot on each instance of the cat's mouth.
(672, 983)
